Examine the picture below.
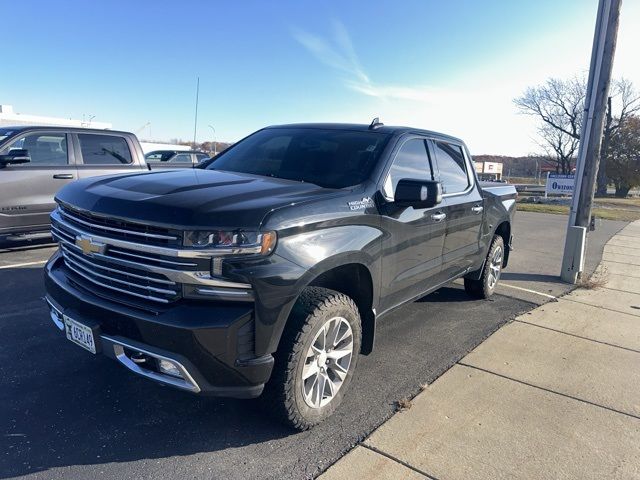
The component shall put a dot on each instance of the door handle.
(438, 217)
(63, 176)
(477, 209)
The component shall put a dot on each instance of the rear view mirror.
(418, 193)
(15, 156)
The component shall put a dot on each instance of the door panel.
(461, 244)
(414, 237)
(411, 253)
(463, 205)
(28, 190)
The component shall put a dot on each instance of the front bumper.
(212, 342)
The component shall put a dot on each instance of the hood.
(190, 198)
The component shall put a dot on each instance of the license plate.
(80, 334)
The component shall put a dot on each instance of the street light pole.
(604, 46)
(214, 140)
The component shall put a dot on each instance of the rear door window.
(452, 167)
(104, 149)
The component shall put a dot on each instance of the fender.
(320, 251)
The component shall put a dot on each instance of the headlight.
(236, 242)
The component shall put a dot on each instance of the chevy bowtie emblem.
(89, 246)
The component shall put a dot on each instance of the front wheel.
(486, 285)
(316, 358)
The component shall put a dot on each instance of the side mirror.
(418, 193)
(15, 156)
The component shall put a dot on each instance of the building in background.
(8, 118)
(489, 171)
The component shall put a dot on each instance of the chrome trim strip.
(180, 264)
(169, 252)
(113, 229)
(62, 233)
(146, 297)
(75, 263)
(114, 270)
(186, 383)
(55, 319)
(220, 291)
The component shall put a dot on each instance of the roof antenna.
(376, 123)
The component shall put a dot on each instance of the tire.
(486, 285)
(318, 314)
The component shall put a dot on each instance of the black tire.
(283, 394)
(486, 285)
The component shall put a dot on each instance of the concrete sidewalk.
(554, 394)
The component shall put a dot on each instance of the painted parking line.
(27, 264)
(528, 290)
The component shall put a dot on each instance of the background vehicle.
(36, 161)
(268, 268)
(176, 158)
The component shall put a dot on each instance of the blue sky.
(452, 66)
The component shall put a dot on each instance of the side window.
(181, 158)
(411, 161)
(201, 157)
(44, 148)
(103, 149)
(452, 166)
(153, 157)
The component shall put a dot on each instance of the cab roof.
(25, 128)
(387, 129)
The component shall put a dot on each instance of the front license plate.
(80, 334)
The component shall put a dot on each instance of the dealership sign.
(559, 184)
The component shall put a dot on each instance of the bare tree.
(627, 101)
(559, 104)
(560, 148)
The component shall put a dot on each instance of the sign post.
(604, 46)
(559, 184)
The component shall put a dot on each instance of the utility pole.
(195, 122)
(215, 150)
(604, 46)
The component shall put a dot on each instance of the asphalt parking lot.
(67, 414)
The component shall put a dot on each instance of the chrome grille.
(117, 271)
(115, 228)
(137, 273)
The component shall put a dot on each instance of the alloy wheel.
(327, 362)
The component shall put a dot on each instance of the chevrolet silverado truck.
(36, 161)
(266, 270)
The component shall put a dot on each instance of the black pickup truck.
(268, 267)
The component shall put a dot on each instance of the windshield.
(328, 158)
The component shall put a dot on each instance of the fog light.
(169, 368)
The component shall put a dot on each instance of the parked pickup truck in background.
(36, 161)
(266, 270)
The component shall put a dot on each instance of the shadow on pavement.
(63, 407)
(446, 294)
(531, 277)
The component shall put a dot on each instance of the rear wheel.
(316, 358)
(486, 285)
